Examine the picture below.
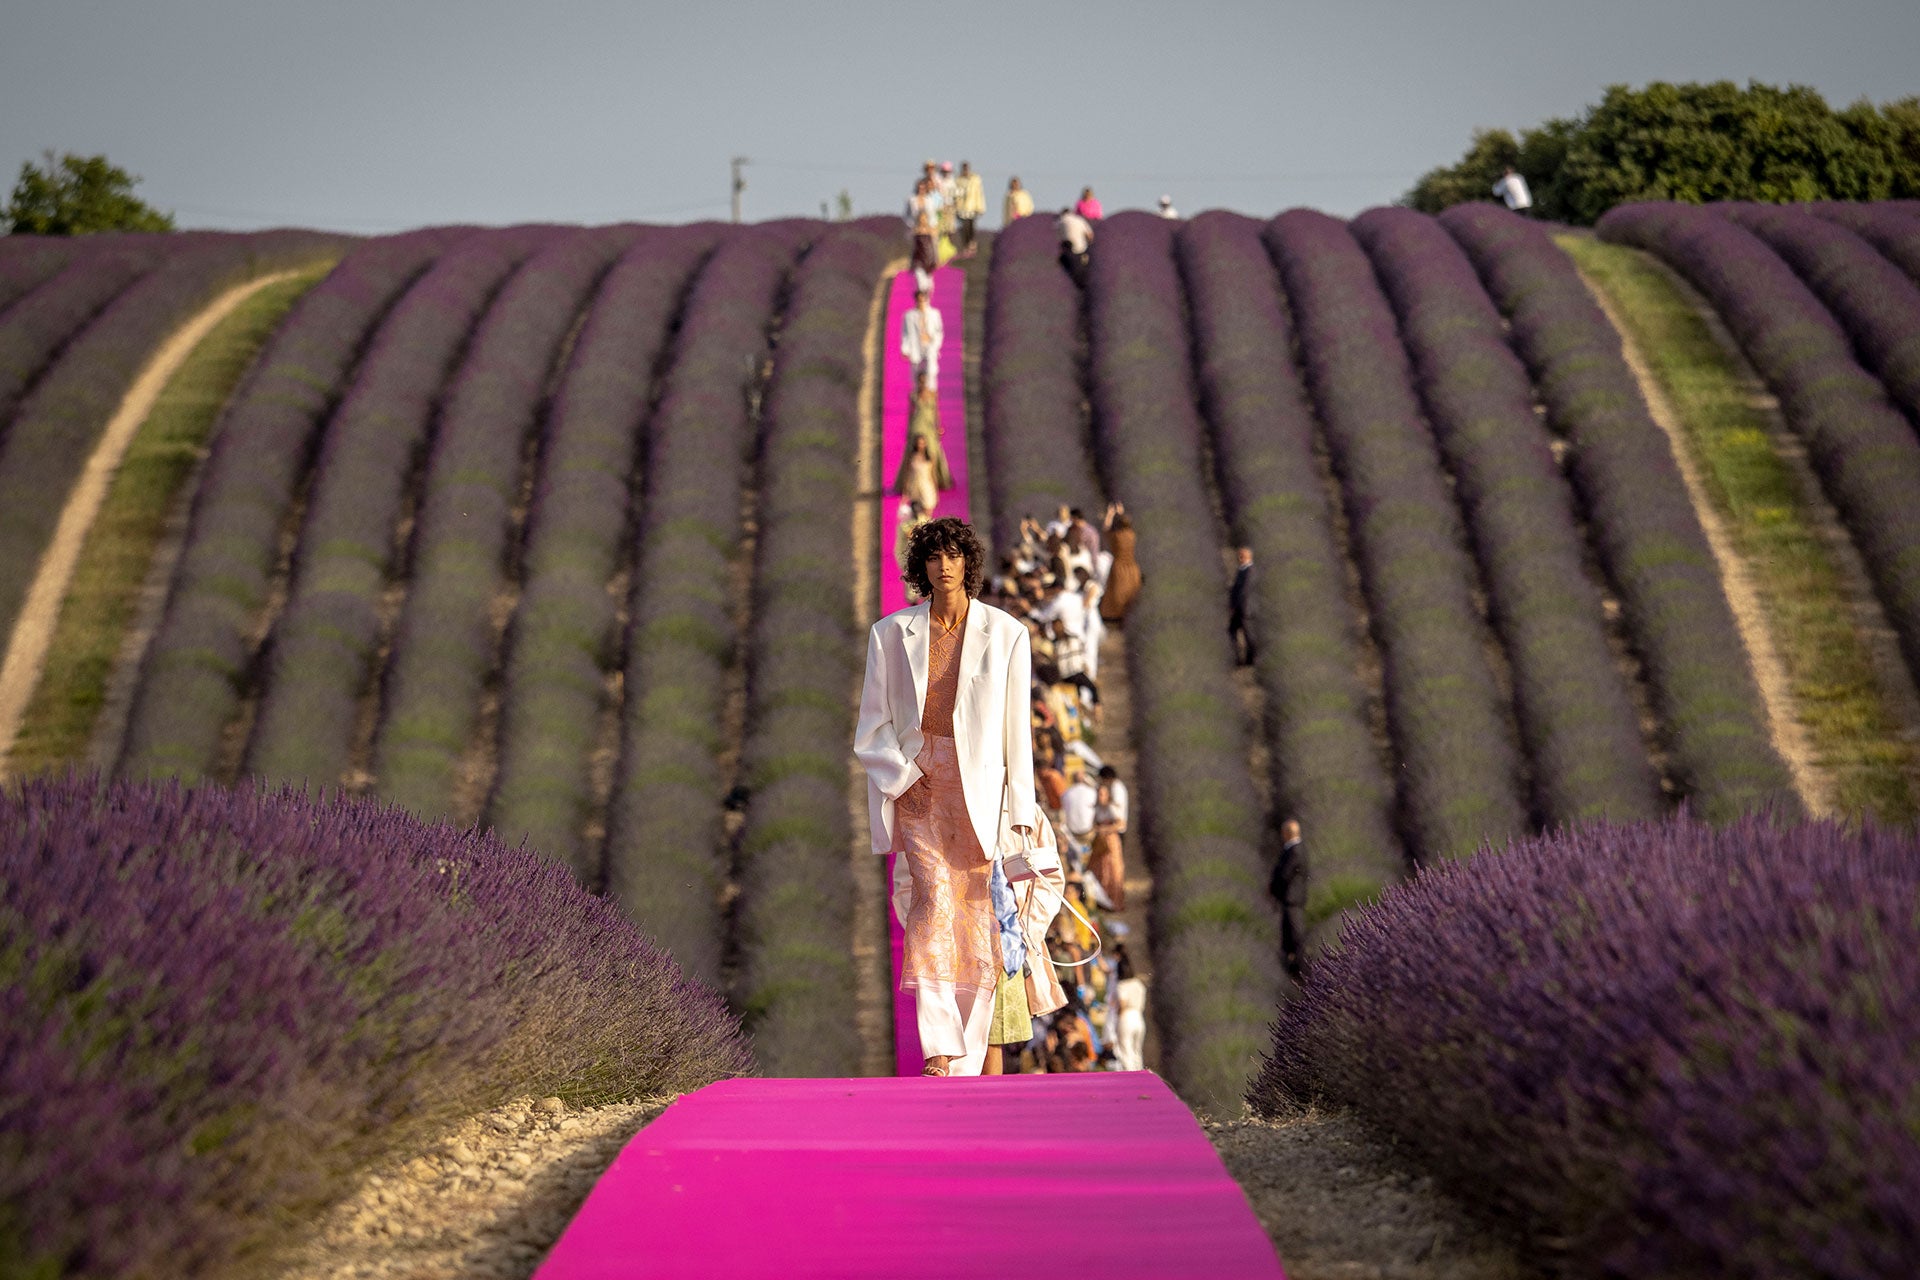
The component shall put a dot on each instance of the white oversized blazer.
(992, 725)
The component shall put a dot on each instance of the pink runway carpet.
(949, 298)
(1106, 1174)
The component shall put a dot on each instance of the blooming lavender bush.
(1326, 768)
(795, 984)
(1031, 379)
(1642, 523)
(60, 421)
(1215, 936)
(28, 261)
(1888, 226)
(1451, 729)
(1862, 446)
(1577, 719)
(665, 855)
(35, 328)
(445, 642)
(189, 688)
(1662, 1050)
(1877, 304)
(320, 654)
(561, 643)
(220, 1004)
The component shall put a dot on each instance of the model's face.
(947, 571)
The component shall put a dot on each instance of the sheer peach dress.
(951, 955)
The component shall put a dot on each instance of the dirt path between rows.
(1814, 784)
(872, 959)
(26, 652)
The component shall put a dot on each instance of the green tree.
(77, 195)
(1694, 142)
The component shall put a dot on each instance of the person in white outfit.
(1166, 208)
(1512, 188)
(921, 334)
(945, 738)
(1130, 997)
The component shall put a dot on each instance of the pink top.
(1089, 209)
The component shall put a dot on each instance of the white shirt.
(1076, 806)
(1513, 189)
(1076, 231)
(921, 333)
(1070, 607)
(1117, 791)
(1168, 211)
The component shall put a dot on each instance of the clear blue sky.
(373, 116)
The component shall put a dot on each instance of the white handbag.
(1014, 849)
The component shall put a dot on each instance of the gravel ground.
(485, 1204)
(1339, 1206)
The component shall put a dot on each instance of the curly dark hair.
(950, 534)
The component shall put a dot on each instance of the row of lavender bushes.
(1872, 298)
(1578, 724)
(666, 861)
(1034, 420)
(1863, 447)
(446, 641)
(60, 421)
(221, 1005)
(1327, 770)
(561, 644)
(1658, 1050)
(1215, 936)
(27, 262)
(321, 652)
(1460, 782)
(190, 686)
(35, 328)
(1893, 230)
(795, 984)
(1640, 520)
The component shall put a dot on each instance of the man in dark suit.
(1240, 610)
(1289, 890)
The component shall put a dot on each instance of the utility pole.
(739, 184)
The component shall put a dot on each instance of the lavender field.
(541, 535)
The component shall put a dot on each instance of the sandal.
(932, 1070)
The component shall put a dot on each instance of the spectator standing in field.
(1089, 206)
(1240, 610)
(1120, 797)
(1123, 574)
(1289, 890)
(1166, 208)
(1512, 188)
(1076, 816)
(1081, 533)
(1108, 861)
(1076, 240)
(1130, 999)
(921, 334)
(1017, 205)
(969, 204)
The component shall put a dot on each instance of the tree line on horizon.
(1692, 143)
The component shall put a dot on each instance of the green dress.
(925, 423)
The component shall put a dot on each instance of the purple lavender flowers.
(1665, 1049)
